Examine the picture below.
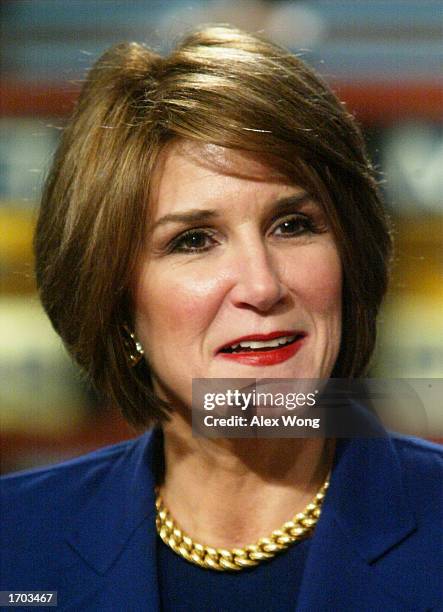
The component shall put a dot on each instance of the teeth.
(263, 344)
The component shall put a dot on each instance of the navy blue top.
(272, 585)
(86, 529)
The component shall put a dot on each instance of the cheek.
(326, 291)
(176, 301)
(318, 279)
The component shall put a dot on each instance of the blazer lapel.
(365, 516)
(115, 535)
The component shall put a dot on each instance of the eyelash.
(305, 225)
(176, 245)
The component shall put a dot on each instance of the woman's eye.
(192, 241)
(294, 226)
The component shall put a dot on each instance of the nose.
(258, 283)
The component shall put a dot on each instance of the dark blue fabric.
(86, 528)
(272, 586)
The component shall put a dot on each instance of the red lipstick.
(263, 357)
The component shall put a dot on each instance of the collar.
(365, 514)
(354, 552)
(367, 496)
(119, 503)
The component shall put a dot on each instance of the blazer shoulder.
(421, 464)
(52, 484)
(418, 451)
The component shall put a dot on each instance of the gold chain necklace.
(237, 559)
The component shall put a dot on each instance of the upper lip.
(261, 337)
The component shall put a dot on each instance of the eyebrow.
(289, 203)
(199, 215)
(194, 215)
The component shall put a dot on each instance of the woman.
(209, 215)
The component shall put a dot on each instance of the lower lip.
(265, 358)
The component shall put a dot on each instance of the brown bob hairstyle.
(220, 86)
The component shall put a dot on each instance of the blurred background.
(383, 58)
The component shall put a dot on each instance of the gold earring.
(134, 349)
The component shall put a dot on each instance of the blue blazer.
(86, 529)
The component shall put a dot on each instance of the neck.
(228, 493)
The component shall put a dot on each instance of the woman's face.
(235, 254)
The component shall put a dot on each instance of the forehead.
(189, 173)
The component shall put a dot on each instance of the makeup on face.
(241, 276)
(263, 349)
